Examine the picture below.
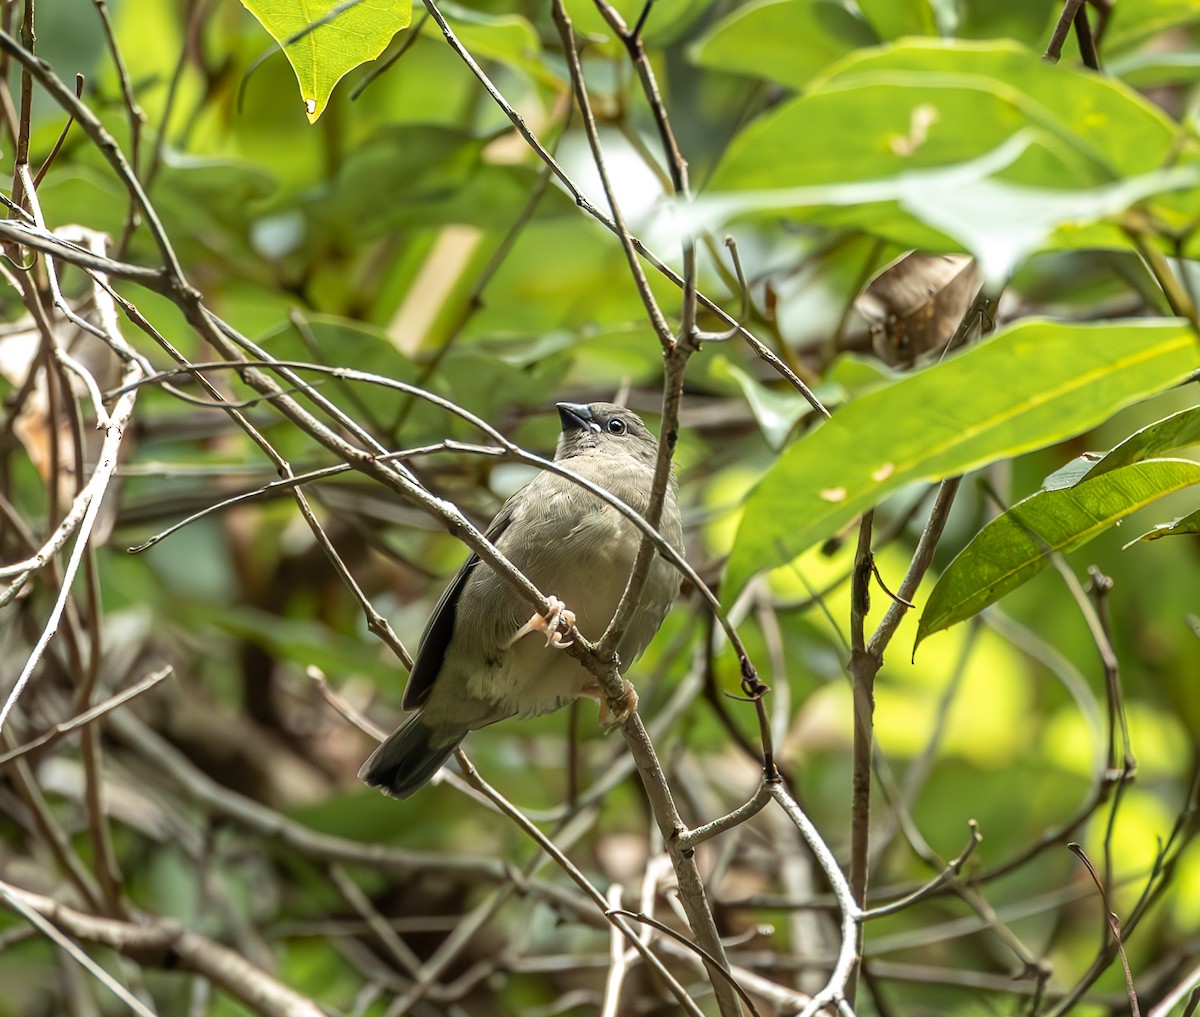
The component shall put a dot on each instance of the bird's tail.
(409, 757)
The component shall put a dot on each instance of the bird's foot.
(558, 617)
(629, 703)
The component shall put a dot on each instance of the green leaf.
(1178, 431)
(982, 405)
(1027, 21)
(1183, 524)
(760, 39)
(976, 96)
(776, 412)
(1016, 545)
(1171, 434)
(1154, 69)
(894, 18)
(1135, 21)
(1001, 223)
(356, 31)
(948, 139)
(508, 38)
(331, 340)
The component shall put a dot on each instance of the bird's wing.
(436, 637)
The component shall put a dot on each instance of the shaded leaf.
(894, 18)
(981, 405)
(760, 39)
(508, 38)
(1134, 21)
(1027, 21)
(354, 33)
(1016, 545)
(329, 340)
(776, 412)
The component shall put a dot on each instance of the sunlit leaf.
(1017, 545)
(1176, 527)
(984, 404)
(346, 33)
(1171, 434)
(1178, 431)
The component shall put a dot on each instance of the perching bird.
(480, 659)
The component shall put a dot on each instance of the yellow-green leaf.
(325, 39)
(987, 403)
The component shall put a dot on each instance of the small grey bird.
(479, 660)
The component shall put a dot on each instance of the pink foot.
(607, 717)
(557, 617)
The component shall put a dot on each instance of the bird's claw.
(629, 704)
(558, 617)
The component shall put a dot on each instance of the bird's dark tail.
(409, 757)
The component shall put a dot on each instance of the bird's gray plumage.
(571, 545)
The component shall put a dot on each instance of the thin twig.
(88, 716)
(851, 914)
(689, 839)
(17, 900)
(759, 348)
(950, 872)
(580, 880)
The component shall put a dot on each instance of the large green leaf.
(348, 33)
(760, 39)
(1119, 132)
(947, 139)
(975, 96)
(1015, 546)
(1031, 385)
(998, 221)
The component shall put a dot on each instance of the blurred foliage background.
(410, 232)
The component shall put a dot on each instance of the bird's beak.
(576, 417)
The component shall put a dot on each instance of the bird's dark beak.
(575, 417)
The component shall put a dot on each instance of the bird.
(480, 659)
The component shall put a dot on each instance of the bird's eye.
(616, 426)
